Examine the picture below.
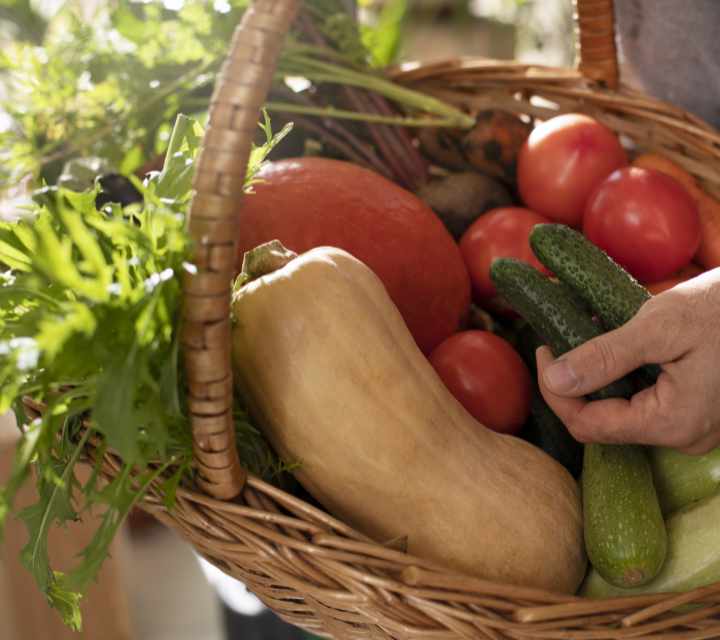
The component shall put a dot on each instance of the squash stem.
(263, 259)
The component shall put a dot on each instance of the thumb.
(603, 360)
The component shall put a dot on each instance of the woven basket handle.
(595, 37)
(240, 92)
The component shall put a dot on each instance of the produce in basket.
(563, 160)
(461, 198)
(693, 558)
(491, 147)
(500, 233)
(494, 143)
(624, 531)
(681, 479)
(487, 376)
(645, 220)
(708, 253)
(605, 287)
(314, 570)
(331, 372)
(312, 202)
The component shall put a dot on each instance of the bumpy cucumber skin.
(612, 293)
(681, 479)
(632, 554)
(550, 309)
(625, 534)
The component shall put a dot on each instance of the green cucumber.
(681, 479)
(550, 309)
(693, 558)
(527, 344)
(625, 534)
(610, 291)
(546, 431)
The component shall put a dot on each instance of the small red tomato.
(687, 273)
(645, 220)
(562, 161)
(500, 233)
(487, 377)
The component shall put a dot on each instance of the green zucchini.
(624, 531)
(681, 479)
(693, 558)
(610, 291)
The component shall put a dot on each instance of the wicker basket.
(311, 569)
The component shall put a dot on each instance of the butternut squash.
(332, 374)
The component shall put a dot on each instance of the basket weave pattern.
(311, 569)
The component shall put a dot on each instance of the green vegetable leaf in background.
(110, 76)
(383, 40)
(176, 176)
(30, 25)
(54, 507)
(105, 81)
(259, 154)
(89, 320)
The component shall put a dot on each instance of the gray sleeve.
(671, 49)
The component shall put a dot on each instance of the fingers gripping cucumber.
(624, 530)
(610, 291)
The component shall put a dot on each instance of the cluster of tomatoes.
(572, 170)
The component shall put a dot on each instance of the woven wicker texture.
(543, 92)
(595, 37)
(319, 574)
(314, 571)
(239, 94)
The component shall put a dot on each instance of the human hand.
(678, 329)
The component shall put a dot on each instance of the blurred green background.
(105, 78)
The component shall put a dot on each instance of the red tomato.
(689, 272)
(561, 163)
(487, 377)
(645, 220)
(500, 233)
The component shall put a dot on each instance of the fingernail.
(559, 377)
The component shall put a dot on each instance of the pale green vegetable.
(693, 558)
(681, 479)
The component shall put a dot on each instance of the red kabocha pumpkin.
(313, 202)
